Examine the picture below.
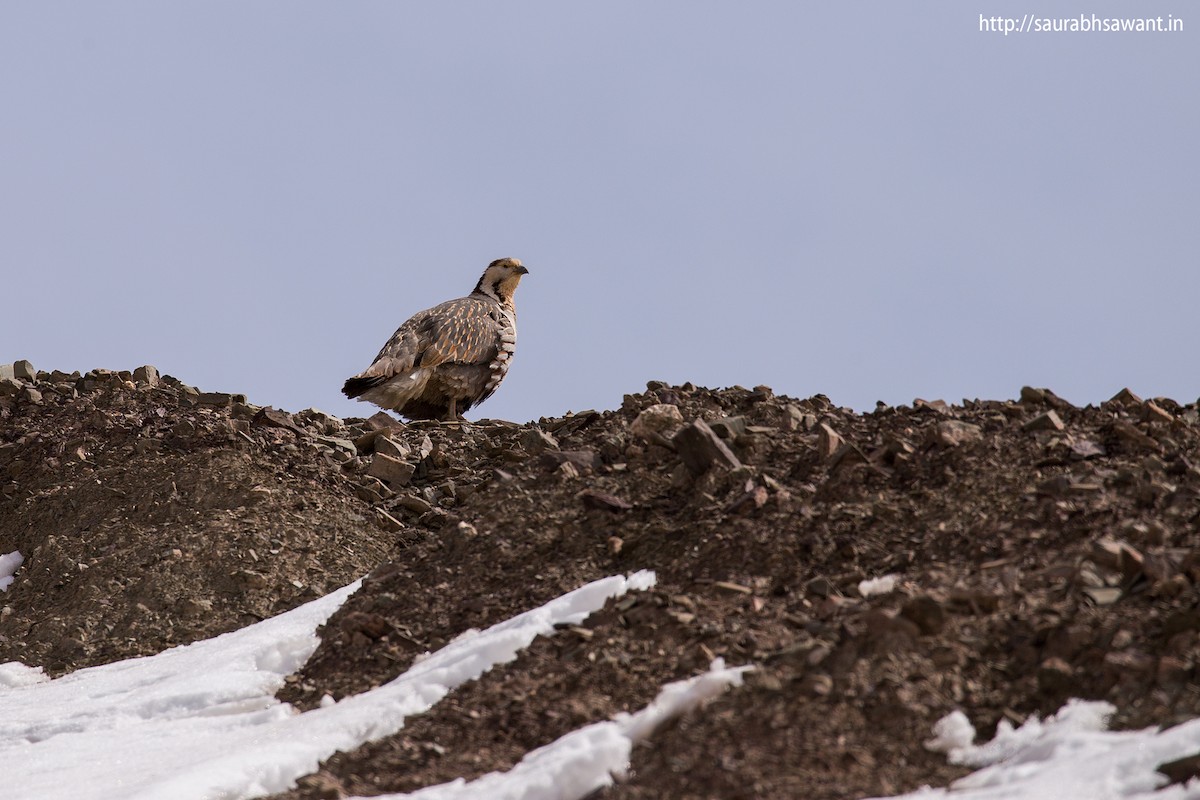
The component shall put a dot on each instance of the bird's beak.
(522, 271)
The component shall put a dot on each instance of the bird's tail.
(360, 385)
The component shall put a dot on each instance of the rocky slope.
(1036, 551)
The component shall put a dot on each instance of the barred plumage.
(448, 358)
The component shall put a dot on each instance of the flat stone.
(700, 448)
(952, 433)
(1133, 435)
(31, 395)
(536, 441)
(387, 521)
(217, 399)
(661, 419)
(796, 419)
(411, 502)
(829, 441)
(24, 371)
(1032, 396)
(344, 445)
(1152, 412)
(1082, 449)
(729, 427)
(382, 420)
(10, 387)
(271, 418)
(391, 471)
(1125, 398)
(388, 446)
(602, 501)
(146, 375)
(1049, 421)
(582, 460)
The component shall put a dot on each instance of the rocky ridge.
(878, 569)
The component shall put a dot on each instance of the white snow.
(586, 759)
(1069, 756)
(201, 721)
(9, 562)
(881, 585)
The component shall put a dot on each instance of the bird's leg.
(452, 414)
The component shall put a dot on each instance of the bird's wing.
(460, 331)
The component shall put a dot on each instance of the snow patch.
(1068, 756)
(14, 673)
(885, 584)
(9, 563)
(586, 759)
(953, 732)
(201, 721)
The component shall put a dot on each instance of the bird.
(446, 359)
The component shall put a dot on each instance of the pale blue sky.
(872, 200)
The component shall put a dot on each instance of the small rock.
(1049, 421)
(413, 503)
(6, 371)
(381, 420)
(196, 607)
(1032, 396)
(258, 495)
(952, 433)
(388, 446)
(390, 470)
(729, 428)
(536, 441)
(215, 399)
(754, 497)
(585, 461)
(183, 429)
(370, 624)
(602, 501)
(1082, 449)
(387, 522)
(31, 395)
(271, 418)
(661, 419)
(795, 419)
(250, 579)
(1131, 434)
(939, 406)
(567, 471)
(24, 371)
(146, 375)
(10, 387)
(1151, 412)
(1103, 595)
(699, 448)
(146, 445)
(828, 441)
(1125, 398)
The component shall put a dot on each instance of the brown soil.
(1038, 556)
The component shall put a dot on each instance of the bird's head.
(500, 279)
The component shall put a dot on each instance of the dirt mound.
(1030, 551)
